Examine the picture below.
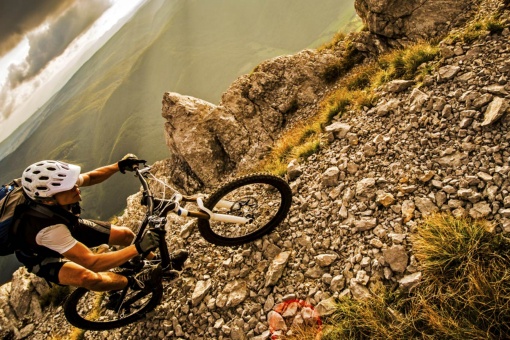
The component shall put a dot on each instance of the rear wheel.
(262, 198)
(91, 310)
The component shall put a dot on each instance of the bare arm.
(83, 256)
(99, 175)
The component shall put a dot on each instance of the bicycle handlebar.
(174, 206)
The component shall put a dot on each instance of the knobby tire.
(72, 314)
(277, 183)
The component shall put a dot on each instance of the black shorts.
(92, 233)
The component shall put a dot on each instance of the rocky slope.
(440, 146)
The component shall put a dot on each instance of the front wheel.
(91, 310)
(263, 199)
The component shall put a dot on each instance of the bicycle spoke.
(101, 307)
(258, 202)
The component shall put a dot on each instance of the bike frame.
(156, 222)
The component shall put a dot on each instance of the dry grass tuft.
(464, 293)
(303, 332)
(355, 93)
(300, 142)
(476, 30)
(404, 64)
(350, 58)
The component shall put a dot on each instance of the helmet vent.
(28, 180)
(42, 188)
(44, 178)
(36, 172)
(55, 184)
(51, 168)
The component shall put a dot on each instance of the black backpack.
(13, 203)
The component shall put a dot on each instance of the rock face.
(412, 19)
(211, 140)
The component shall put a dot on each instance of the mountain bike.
(241, 211)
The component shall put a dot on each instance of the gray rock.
(408, 208)
(21, 292)
(294, 170)
(340, 130)
(325, 260)
(388, 107)
(495, 111)
(330, 177)
(337, 283)
(397, 258)
(446, 73)
(237, 292)
(359, 291)
(201, 290)
(276, 268)
(425, 205)
(399, 85)
(326, 307)
(410, 281)
(482, 101)
(412, 19)
(455, 160)
(480, 210)
(365, 224)
(363, 187)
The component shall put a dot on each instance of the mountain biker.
(54, 240)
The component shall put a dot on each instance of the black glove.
(148, 242)
(128, 161)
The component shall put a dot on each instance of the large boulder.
(413, 19)
(212, 140)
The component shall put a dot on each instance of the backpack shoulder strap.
(35, 208)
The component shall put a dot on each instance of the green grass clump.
(350, 58)
(404, 64)
(335, 104)
(476, 29)
(300, 142)
(494, 26)
(464, 292)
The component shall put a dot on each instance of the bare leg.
(73, 274)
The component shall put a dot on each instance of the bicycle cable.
(161, 205)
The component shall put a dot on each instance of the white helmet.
(47, 178)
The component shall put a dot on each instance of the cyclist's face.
(68, 197)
